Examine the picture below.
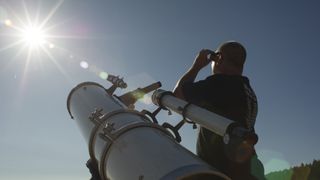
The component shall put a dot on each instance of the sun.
(31, 30)
(34, 36)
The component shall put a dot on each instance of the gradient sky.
(146, 41)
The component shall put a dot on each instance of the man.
(226, 93)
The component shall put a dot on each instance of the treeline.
(302, 172)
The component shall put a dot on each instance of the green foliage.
(302, 172)
(280, 175)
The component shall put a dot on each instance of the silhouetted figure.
(226, 93)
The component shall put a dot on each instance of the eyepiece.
(212, 55)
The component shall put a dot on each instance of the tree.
(302, 172)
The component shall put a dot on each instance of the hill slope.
(302, 172)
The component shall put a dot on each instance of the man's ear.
(219, 56)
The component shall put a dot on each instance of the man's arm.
(189, 77)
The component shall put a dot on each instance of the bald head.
(234, 53)
(229, 59)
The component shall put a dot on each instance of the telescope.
(126, 144)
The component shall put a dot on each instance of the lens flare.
(84, 64)
(146, 99)
(8, 22)
(103, 75)
(51, 46)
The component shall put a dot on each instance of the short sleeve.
(193, 92)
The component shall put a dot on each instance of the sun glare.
(33, 36)
(32, 39)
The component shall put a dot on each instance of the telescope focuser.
(131, 97)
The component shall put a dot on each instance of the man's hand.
(202, 59)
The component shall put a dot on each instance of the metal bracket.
(116, 83)
(107, 132)
(96, 115)
(109, 128)
(183, 113)
(152, 115)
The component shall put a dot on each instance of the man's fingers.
(206, 52)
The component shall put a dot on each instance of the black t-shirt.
(230, 96)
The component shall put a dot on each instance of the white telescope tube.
(239, 141)
(126, 145)
(205, 118)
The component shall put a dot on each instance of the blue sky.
(147, 41)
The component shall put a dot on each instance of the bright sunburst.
(34, 36)
(29, 32)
